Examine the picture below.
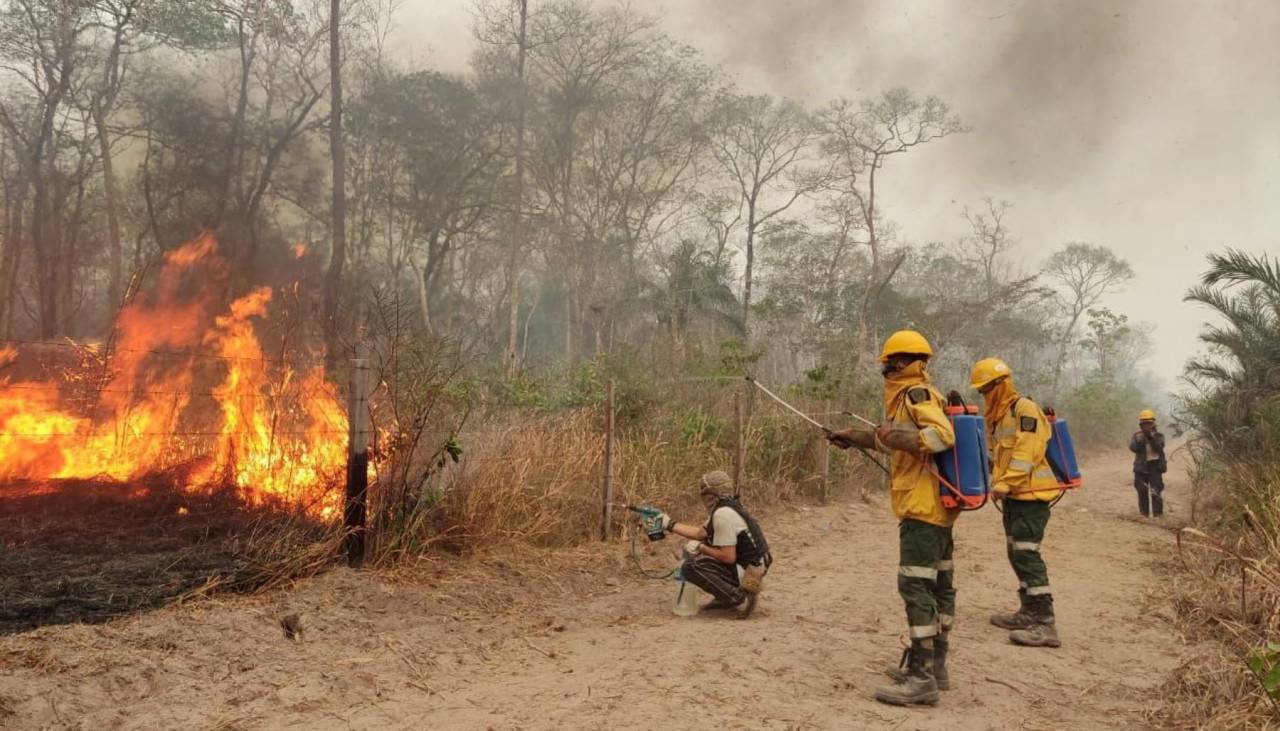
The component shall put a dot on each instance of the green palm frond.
(1237, 267)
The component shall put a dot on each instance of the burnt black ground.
(90, 550)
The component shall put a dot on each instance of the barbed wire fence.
(701, 407)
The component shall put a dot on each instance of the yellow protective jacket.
(910, 401)
(1019, 437)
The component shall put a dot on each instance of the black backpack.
(753, 549)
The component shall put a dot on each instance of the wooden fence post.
(606, 515)
(353, 514)
(739, 441)
(824, 459)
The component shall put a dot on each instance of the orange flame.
(299, 250)
(276, 437)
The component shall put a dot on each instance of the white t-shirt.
(726, 524)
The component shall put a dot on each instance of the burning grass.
(183, 375)
(180, 456)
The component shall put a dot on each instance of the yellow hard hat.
(905, 342)
(1146, 415)
(987, 370)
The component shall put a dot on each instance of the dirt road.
(571, 640)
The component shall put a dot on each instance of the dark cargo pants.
(1024, 525)
(926, 577)
(1150, 486)
(720, 580)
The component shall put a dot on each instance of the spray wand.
(807, 418)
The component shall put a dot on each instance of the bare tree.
(42, 46)
(338, 155)
(577, 53)
(504, 25)
(1086, 273)
(119, 19)
(860, 139)
(989, 242)
(766, 147)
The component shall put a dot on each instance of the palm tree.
(1242, 372)
(695, 287)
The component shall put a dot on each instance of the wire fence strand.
(127, 434)
(309, 361)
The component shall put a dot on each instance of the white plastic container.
(686, 602)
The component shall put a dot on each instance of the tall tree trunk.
(424, 295)
(751, 259)
(867, 321)
(517, 215)
(44, 246)
(234, 159)
(15, 209)
(1063, 343)
(333, 279)
(115, 265)
(568, 323)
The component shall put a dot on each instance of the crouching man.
(730, 539)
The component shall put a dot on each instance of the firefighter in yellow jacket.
(1018, 434)
(917, 428)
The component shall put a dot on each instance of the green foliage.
(187, 25)
(1265, 664)
(820, 383)
(695, 286)
(736, 358)
(1235, 408)
(1102, 412)
(778, 442)
(1106, 331)
(552, 391)
(696, 426)
(1239, 379)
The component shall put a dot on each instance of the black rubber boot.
(918, 687)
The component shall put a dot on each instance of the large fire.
(186, 382)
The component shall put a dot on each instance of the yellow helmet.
(905, 342)
(987, 370)
(1146, 415)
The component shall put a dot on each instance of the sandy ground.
(574, 640)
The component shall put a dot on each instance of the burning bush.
(183, 379)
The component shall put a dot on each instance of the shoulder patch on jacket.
(918, 395)
(1027, 424)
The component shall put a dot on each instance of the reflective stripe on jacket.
(1019, 442)
(913, 484)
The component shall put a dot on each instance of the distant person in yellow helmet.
(916, 428)
(1021, 479)
(1149, 465)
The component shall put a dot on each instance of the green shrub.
(1103, 413)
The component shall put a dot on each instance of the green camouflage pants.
(1024, 524)
(926, 577)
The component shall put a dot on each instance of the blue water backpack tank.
(965, 469)
(1061, 453)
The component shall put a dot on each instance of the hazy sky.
(1152, 127)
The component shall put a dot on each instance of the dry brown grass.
(273, 552)
(540, 481)
(1227, 596)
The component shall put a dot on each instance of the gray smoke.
(1147, 126)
